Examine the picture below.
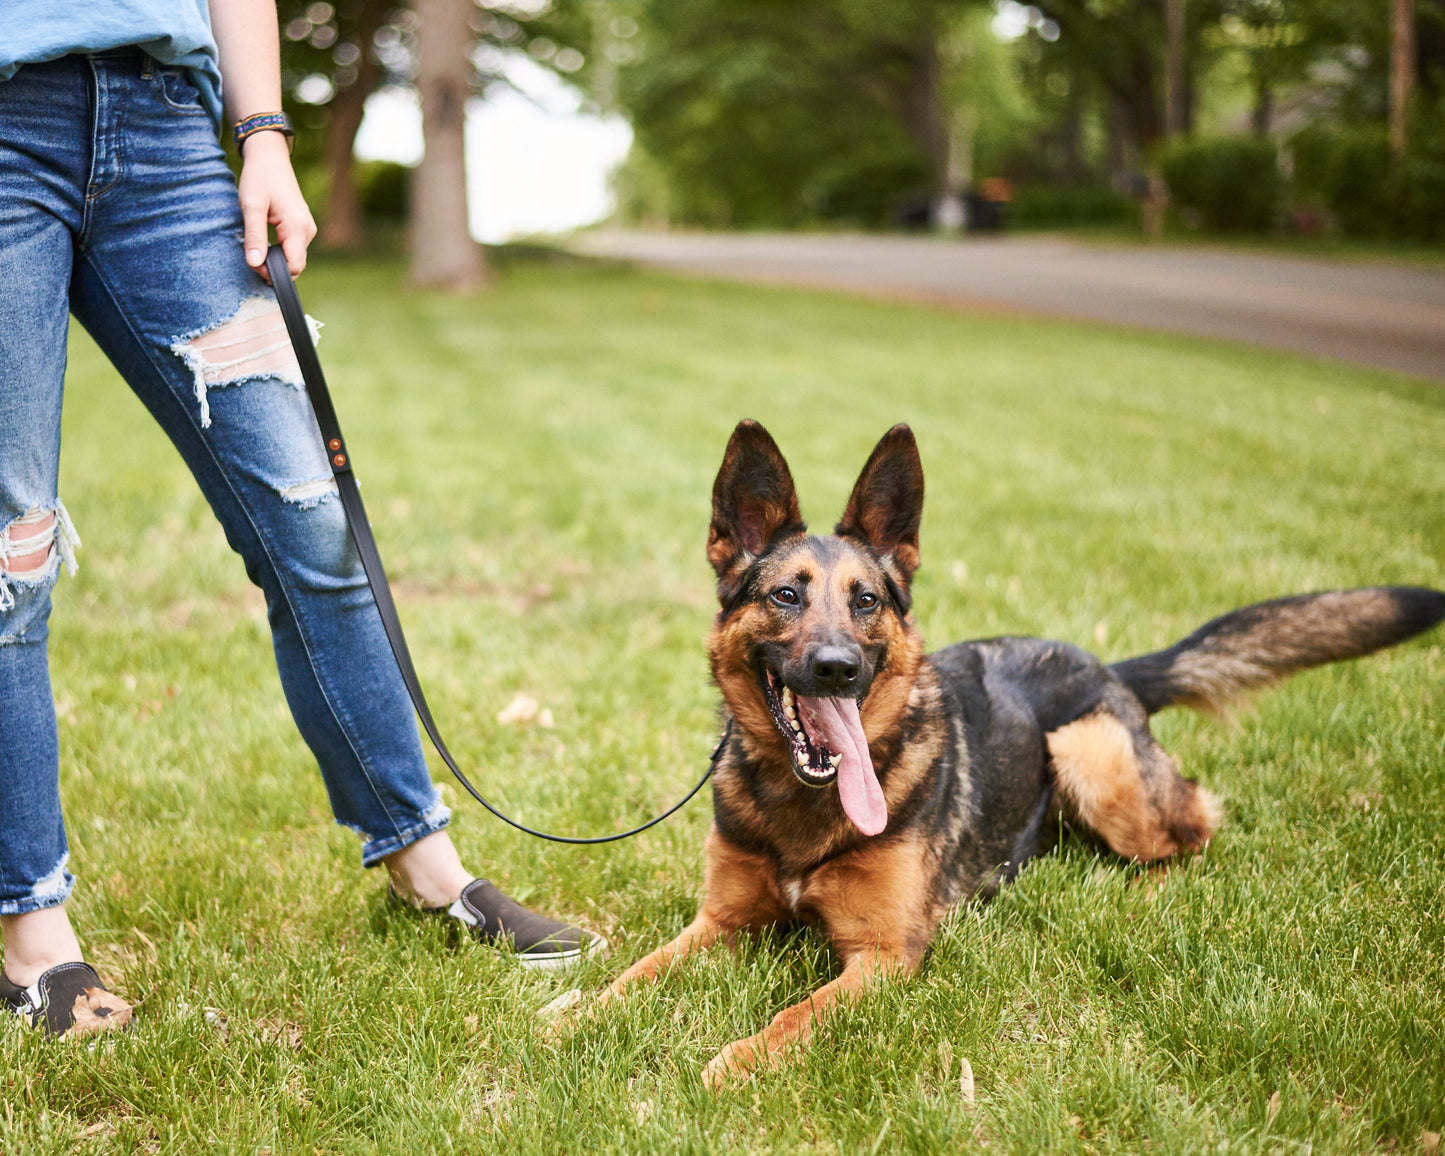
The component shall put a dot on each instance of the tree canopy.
(752, 113)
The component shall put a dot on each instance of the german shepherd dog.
(868, 787)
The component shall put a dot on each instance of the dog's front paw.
(732, 1066)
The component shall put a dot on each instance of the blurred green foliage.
(1346, 171)
(1225, 183)
(765, 112)
(757, 113)
(795, 113)
(384, 190)
(1070, 206)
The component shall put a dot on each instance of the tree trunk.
(1176, 115)
(1143, 103)
(924, 117)
(949, 213)
(1261, 116)
(342, 224)
(604, 66)
(1188, 94)
(1116, 142)
(443, 254)
(1402, 73)
(1072, 138)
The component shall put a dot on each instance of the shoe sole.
(558, 960)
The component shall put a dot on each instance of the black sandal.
(68, 1000)
(492, 918)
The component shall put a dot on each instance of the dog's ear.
(753, 502)
(887, 502)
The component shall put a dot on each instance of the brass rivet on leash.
(334, 444)
(340, 460)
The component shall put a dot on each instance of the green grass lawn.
(537, 463)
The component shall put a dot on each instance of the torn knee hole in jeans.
(32, 548)
(308, 493)
(251, 346)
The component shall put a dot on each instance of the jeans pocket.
(177, 92)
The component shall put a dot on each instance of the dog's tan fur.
(978, 747)
(1106, 789)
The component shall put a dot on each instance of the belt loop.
(146, 64)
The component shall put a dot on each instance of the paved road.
(1386, 316)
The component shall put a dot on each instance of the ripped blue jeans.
(116, 206)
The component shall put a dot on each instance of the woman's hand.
(250, 51)
(270, 196)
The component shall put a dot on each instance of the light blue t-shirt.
(172, 32)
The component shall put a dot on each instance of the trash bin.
(988, 205)
(984, 216)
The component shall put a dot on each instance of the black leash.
(340, 459)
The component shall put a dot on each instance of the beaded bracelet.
(264, 122)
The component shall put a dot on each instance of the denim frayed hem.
(436, 818)
(51, 891)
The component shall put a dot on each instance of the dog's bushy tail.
(1250, 648)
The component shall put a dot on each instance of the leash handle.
(340, 460)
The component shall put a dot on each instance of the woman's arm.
(250, 48)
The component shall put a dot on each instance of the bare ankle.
(37, 941)
(428, 872)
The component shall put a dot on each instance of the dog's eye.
(867, 600)
(785, 596)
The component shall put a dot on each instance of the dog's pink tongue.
(840, 727)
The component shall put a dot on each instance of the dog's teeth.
(789, 711)
(835, 759)
(788, 700)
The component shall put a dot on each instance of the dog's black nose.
(835, 668)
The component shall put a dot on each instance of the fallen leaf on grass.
(98, 1010)
(1271, 1110)
(965, 1081)
(275, 1030)
(555, 1007)
(1429, 1142)
(524, 709)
